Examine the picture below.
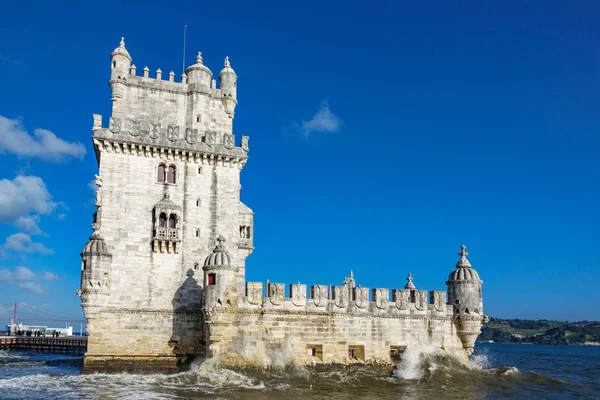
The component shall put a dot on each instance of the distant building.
(163, 274)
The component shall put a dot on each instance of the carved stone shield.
(114, 125)
(245, 143)
(276, 294)
(402, 299)
(341, 296)
(211, 138)
(420, 300)
(191, 135)
(228, 141)
(298, 292)
(320, 295)
(439, 300)
(254, 292)
(135, 128)
(154, 130)
(361, 297)
(381, 298)
(173, 133)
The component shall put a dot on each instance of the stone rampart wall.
(280, 337)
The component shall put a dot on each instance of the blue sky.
(383, 135)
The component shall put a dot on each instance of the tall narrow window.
(171, 174)
(160, 176)
(162, 220)
(172, 221)
(212, 279)
(197, 202)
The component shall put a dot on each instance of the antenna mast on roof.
(184, 37)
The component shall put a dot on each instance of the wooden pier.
(72, 344)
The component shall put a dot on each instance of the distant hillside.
(540, 331)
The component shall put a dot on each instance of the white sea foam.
(412, 364)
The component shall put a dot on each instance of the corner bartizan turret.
(220, 278)
(228, 85)
(464, 294)
(95, 269)
(119, 70)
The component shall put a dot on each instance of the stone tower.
(464, 294)
(168, 188)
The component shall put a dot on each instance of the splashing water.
(423, 372)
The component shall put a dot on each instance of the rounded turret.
(120, 64)
(228, 86)
(95, 265)
(199, 73)
(220, 278)
(464, 294)
(464, 287)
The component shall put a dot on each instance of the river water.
(496, 371)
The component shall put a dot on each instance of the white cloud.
(27, 280)
(92, 185)
(323, 121)
(24, 274)
(29, 224)
(62, 216)
(6, 275)
(22, 196)
(22, 243)
(33, 287)
(49, 276)
(45, 145)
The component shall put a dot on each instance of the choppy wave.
(423, 372)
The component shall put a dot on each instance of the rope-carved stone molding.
(198, 157)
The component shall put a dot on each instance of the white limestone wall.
(172, 103)
(142, 277)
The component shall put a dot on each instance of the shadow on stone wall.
(187, 336)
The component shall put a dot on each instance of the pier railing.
(73, 344)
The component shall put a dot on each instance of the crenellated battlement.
(346, 299)
(170, 84)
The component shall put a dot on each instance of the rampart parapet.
(344, 299)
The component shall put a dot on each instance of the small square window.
(212, 279)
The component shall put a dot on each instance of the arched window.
(160, 176)
(162, 220)
(171, 174)
(172, 221)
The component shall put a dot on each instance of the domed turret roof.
(121, 50)
(227, 68)
(219, 257)
(198, 66)
(463, 271)
(95, 246)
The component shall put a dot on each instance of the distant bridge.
(39, 315)
(73, 344)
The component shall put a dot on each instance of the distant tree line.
(540, 331)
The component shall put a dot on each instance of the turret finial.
(122, 43)
(199, 58)
(221, 239)
(227, 65)
(409, 282)
(463, 262)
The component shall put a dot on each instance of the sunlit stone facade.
(163, 275)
